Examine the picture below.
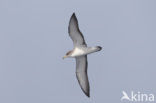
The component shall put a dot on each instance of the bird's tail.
(98, 48)
(93, 49)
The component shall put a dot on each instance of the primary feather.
(75, 33)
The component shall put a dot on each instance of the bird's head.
(68, 54)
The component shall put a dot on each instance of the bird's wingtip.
(73, 15)
(88, 95)
(86, 92)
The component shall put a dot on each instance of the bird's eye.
(68, 53)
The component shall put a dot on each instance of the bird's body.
(80, 53)
(77, 52)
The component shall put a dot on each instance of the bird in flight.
(80, 52)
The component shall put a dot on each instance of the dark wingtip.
(87, 94)
(73, 15)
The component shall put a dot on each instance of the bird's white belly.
(78, 52)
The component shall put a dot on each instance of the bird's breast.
(77, 52)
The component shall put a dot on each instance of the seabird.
(80, 52)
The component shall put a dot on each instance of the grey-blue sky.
(34, 37)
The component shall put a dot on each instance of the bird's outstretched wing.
(74, 32)
(81, 73)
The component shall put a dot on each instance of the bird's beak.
(64, 57)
